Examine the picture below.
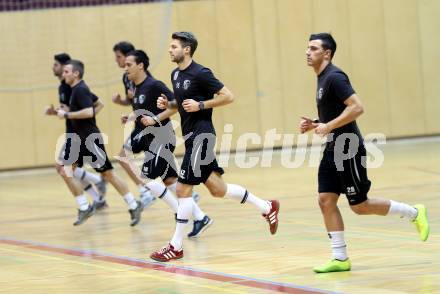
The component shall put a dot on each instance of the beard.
(178, 58)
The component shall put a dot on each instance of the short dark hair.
(77, 66)
(62, 58)
(186, 39)
(328, 43)
(123, 47)
(140, 57)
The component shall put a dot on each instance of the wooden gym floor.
(41, 252)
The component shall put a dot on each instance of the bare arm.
(149, 121)
(353, 110)
(98, 105)
(172, 104)
(166, 114)
(125, 102)
(117, 99)
(81, 114)
(223, 97)
(163, 103)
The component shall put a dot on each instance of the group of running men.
(196, 91)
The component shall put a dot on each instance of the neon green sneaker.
(334, 266)
(421, 222)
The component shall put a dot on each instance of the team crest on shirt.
(176, 74)
(320, 93)
(141, 99)
(186, 84)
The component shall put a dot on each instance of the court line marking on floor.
(143, 274)
(170, 268)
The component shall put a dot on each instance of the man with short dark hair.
(86, 178)
(343, 166)
(154, 135)
(197, 91)
(121, 50)
(88, 145)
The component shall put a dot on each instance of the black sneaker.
(100, 205)
(83, 215)
(136, 213)
(199, 226)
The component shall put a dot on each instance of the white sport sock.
(145, 193)
(172, 187)
(339, 248)
(183, 213)
(239, 193)
(197, 213)
(81, 174)
(92, 191)
(402, 210)
(132, 204)
(83, 203)
(143, 188)
(161, 191)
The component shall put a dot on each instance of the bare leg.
(116, 182)
(372, 206)
(330, 212)
(129, 167)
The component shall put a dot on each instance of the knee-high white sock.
(183, 213)
(145, 194)
(239, 193)
(91, 191)
(339, 248)
(402, 210)
(81, 174)
(142, 188)
(83, 203)
(172, 187)
(160, 191)
(131, 201)
(197, 213)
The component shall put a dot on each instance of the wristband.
(66, 114)
(201, 105)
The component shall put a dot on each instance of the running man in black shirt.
(156, 139)
(121, 50)
(87, 145)
(343, 166)
(196, 92)
(86, 178)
